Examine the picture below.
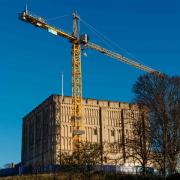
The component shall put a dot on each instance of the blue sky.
(31, 59)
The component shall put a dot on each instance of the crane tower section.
(76, 84)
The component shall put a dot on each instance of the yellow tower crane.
(78, 42)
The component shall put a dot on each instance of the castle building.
(47, 130)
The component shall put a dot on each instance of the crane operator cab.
(84, 39)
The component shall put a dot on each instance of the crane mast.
(76, 85)
(77, 43)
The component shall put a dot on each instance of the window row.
(115, 135)
(92, 134)
(66, 118)
(91, 112)
(66, 110)
(92, 121)
(66, 130)
(66, 143)
(114, 122)
(114, 114)
(131, 114)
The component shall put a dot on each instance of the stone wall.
(47, 130)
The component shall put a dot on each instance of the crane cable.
(108, 41)
(58, 17)
(97, 34)
(111, 44)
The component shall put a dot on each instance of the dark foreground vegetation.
(77, 176)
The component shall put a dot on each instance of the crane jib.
(120, 57)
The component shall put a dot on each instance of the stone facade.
(47, 130)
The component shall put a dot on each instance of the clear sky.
(31, 59)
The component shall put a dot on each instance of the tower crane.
(78, 43)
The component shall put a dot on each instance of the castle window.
(112, 133)
(95, 131)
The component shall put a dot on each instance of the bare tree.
(84, 159)
(161, 95)
(139, 146)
